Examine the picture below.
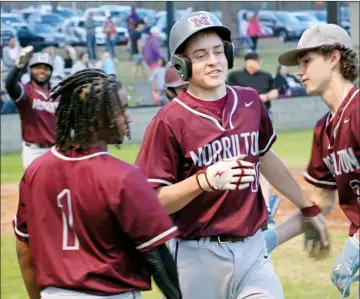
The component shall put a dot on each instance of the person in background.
(263, 83)
(243, 32)
(82, 64)
(157, 79)
(110, 35)
(133, 19)
(151, 50)
(254, 30)
(136, 51)
(288, 84)
(58, 66)
(90, 36)
(108, 65)
(10, 53)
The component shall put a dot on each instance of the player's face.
(208, 60)
(316, 72)
(41, 73)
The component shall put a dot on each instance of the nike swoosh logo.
(266, 256)
(249, 104)
(346, 120)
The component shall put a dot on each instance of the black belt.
(219, 239)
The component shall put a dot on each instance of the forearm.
(177, 196)
(293, 227)
(280, 177)
(12, 83)
(26, 267)
(272, 95)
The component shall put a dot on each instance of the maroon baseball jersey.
(37, 116)
(189, 134)
(335, 158)
(89, 217)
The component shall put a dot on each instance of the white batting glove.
(228, 174)
(24, 56)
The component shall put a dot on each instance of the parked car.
(321, 15)
(11, 18)
(40, 36)
(104, 11)
(7, 32)
(266, 30)
(305, 18)
(76, 27)
(51, 19)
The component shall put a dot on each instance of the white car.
(76, 27)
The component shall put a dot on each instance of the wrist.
(202, 181)
(310, 211)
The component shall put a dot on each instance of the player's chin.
(214, 82)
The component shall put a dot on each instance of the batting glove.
(228, 174)
(345, 267)
(315, 228)
(24, 56)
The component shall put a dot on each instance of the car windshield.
(12, 19)
(286, 18)
(118, 13)
(321, 16)
(52, 19)
(303, 18)
(42, 28)
(99, 23)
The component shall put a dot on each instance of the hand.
(228, 174)
(24, 56)
(345, 267)
(316, 232)
(264, 98)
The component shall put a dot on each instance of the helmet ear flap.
(229, 51)
(182, 64)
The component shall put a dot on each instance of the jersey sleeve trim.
(158, 238)
(268, 144)
(311, 179)
(163, 182)
(19, 233)
(22, 93)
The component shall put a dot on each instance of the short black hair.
(85, 97)
(140, 22)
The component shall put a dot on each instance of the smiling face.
(208, 60)
(316, 71)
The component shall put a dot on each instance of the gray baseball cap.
(315, 37)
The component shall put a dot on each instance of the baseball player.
(328, 66)
(88, 225)
(174, 85)
(202, 153)
(36, 114)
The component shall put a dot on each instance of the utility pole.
(333, 9)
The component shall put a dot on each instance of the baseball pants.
(236, 270)
(57, 293)
(30, 153)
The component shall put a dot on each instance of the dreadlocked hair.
(85, 97)
(349, 62)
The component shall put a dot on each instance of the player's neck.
(207, 94)
(45, 86)
(336, 93)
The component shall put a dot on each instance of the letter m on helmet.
(200, 21)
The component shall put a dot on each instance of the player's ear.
(334, 57)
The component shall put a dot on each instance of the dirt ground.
(9, 200)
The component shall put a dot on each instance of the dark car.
(50, 19)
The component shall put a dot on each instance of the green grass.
(301, 277)
(293, 148)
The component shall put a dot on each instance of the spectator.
(133, 19)
(58, 66)
(136, 50)
(288, 84)
(263, 83)
(110, 35)
(254, 30)
(90, 36)
(72, 52)
(10, 53)
(243, 32)
(151, 50)
(82, 64)
(157, 79)
(106, 64)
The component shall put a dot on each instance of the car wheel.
(283, 36)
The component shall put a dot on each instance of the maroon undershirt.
(217, 105)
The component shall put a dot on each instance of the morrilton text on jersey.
(43, 105)
(342, 162)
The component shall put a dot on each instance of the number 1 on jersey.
(70, 238)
